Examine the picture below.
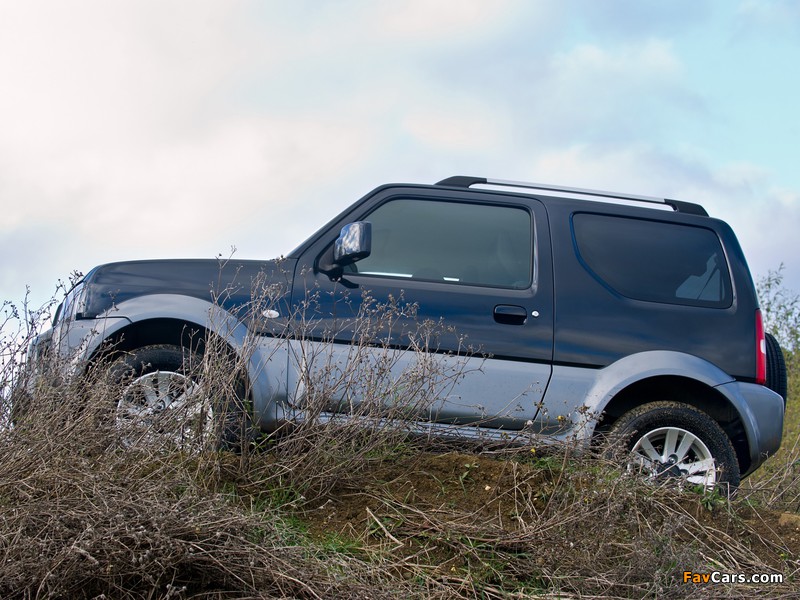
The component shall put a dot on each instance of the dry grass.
(574, 526)
(339, 511)
(83, 517)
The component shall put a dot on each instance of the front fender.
(266, 356)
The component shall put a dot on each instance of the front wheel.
(162, 398)
(676, 441)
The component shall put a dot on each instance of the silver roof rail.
(677, 205)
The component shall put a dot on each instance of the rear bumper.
(761, 411)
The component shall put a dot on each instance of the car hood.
(233, 284)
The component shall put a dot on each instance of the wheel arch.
(688, 391)
(170, 319)
(177, 319)
(176, 332)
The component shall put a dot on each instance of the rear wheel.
(675, 441)
(164, 399)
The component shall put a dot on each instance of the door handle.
(508, 314)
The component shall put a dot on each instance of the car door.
(449, 319)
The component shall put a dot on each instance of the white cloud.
(774, 15)
(456, 127)
(162, 128)
(631, 168)
(229, 175)
(88, 73)
(609, 92)
(650, 61)
(439, 19)
(118, 115)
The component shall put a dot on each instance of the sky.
(167, 128)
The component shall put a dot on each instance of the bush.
(83, 515)
(338, 509)
(777, 484)
(781, 310)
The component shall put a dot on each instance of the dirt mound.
(484, 488)
(548, 519)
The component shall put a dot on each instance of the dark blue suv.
(571, 314)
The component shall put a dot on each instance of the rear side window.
(654, 261)
(451, 242)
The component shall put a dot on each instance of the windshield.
(66, 309)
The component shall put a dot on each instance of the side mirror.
(354, 243)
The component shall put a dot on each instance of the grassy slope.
(322, 517)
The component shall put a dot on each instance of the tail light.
(761, 350)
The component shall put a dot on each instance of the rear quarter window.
(654, 261)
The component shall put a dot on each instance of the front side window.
(453, 242)
(654, 261)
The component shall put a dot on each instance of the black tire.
(776, 367)
(653, 422)
(157, 377)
